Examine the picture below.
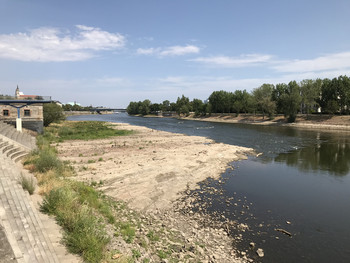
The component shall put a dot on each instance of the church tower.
(17, 93)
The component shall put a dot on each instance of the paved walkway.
(6, 253)
(23, 236)
(19, 218)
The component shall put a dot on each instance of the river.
(300, 183)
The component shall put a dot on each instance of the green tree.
(166, 105)
(242, 102)
(133, 108)
(343, 92)
(291, 100)
(52, 113)
(145, 107)
(183, 105)
(221, 101)
(329, 98)
(277, 93)
(198, 107)
(263, 99)
(310, 92)
(155, 107)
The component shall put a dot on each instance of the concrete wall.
(37, 126)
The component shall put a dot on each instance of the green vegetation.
(6, 97)
(74, 206)
(83, 130)
(308, 96)
(52, 113)
(27, 183)
(76, 107)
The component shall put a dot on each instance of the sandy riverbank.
(316, 122)
(149, 168)
(152, 171)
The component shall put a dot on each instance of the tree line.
(330, 96)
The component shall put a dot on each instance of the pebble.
(260, 252)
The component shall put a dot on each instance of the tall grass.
(84, 233)
(28, 183)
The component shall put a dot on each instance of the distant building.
(20, 96)
(28, 107)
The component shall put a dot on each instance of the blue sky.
(111, 52)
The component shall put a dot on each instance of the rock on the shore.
(260, 252)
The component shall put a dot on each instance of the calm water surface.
(302, 177)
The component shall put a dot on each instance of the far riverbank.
(324, 122)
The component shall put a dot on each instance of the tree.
(145, 107)
(329, 98)
(241, 102)
(263, 99)
(343, 92)
(183, 105)
(166, 105)
(277, 93)
(52, 113)
(291, 101)
(221, 101)
(310, 92)
(133, 108)
(155, 107)
(198, 107)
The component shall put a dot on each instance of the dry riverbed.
(152, 171)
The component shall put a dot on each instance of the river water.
(300, 183)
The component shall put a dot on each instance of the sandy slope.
(149, 168)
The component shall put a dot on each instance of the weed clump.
(27, 183)
(47, 160)
(84, 233)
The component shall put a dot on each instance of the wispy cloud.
(244, 60)
(51, 44)
(169, 51)
(337, 61)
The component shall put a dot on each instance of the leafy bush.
(52, 113)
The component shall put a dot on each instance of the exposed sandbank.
(149, 168)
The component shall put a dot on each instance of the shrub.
(52, 113)
(27, 183)
(47, 160)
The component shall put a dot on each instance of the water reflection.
(331, 155)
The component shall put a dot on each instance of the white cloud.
(337, 61)
(169, 51)
(180, 50)
(146, 51)
(244, 60)
(50, 44)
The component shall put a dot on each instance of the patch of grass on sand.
(88, 130)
